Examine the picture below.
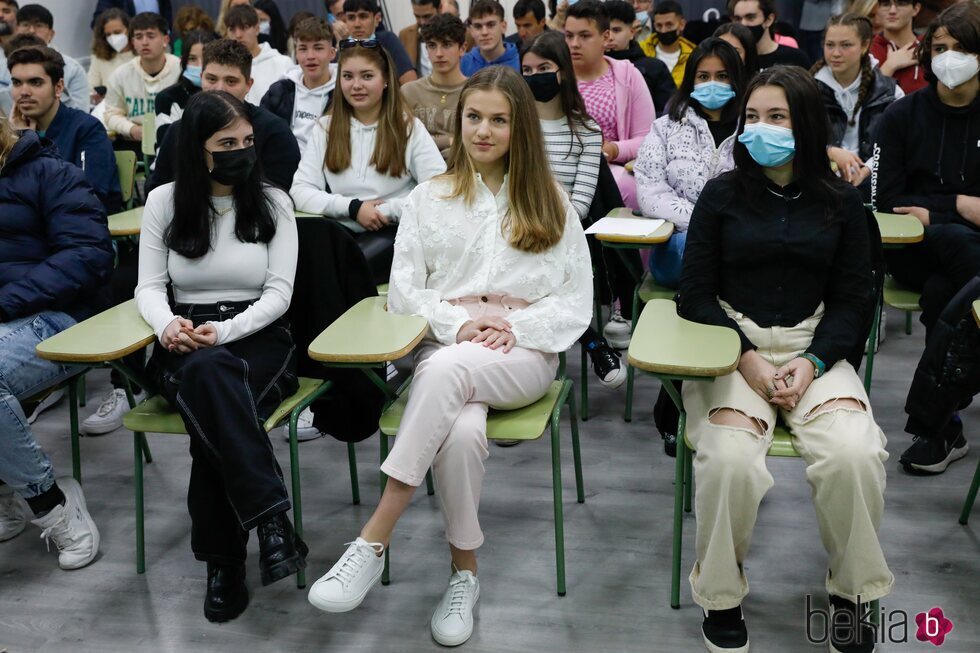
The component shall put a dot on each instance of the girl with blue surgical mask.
(171, 101)
(779, 251)
(689, 145)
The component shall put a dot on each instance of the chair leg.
(576, 449)
(970, 497)
(870, 350)
(81, 391)
(585, 385)
(76, 454)
(297, 497)
(355, 490)
(679, 466)
(138, 487)
(131, 400)
(628, 415)
(385, 575)
(908, 323)
(429, 488)
(556, 487)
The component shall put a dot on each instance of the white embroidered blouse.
(447, 250)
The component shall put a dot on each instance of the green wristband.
(819, 367)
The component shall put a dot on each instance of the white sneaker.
(452, 622)
(347, 583)
(109, 415)
(12, 514)
(304, 428)
(70, 527)
(617, 331)
(46, 403)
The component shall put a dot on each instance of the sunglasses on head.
(364, 43)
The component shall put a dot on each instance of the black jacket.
(178, 94)
(275, 144)
(927, 154)
(879, 97)
(948, 374)
(280, 99)
(332, 276)
(654, 71)
(129, 6)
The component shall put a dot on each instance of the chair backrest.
(126, 164)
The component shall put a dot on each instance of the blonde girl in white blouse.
(493, 255)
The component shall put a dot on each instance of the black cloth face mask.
(668, 38)
(544, 86)
(233, 167)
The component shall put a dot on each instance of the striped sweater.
(574, 160)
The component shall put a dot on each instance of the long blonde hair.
(394, 123)
(536, 219)
(8, 137)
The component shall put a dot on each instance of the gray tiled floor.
(618, 549)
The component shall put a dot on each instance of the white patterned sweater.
(447, 250)
(676, 160)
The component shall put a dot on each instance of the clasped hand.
(181, 336)
(492, 332)
(783, 387)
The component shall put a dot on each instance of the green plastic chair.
(154, 415)
(970, 497)
(903, 299)
(126, 165)
(528, 423)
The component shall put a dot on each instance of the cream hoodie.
(131, 92)
(267, 68)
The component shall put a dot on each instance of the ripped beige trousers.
(844, 451)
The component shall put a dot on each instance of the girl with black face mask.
(573, 142)
(224, 359)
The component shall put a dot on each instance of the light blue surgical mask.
(643, 17)
(713, 95)
(193, 75)
(770, 145)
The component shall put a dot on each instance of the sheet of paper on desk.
(639, 227)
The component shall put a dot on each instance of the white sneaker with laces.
(70, 527)
(12, 514)
(46, 403)
(347, 583)
(618, 331)
(109, 415)
(452, 622)
(304, 428)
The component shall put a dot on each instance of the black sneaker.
(851, 630)
(933, 455)
(605, 363)
(724, 631)
(670, 444)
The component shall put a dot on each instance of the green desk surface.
(662, 234)
(976, 311)
(664, 343)
(898, 229)
(108, 336)
(127, 223)
(368, 333)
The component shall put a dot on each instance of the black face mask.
(668, 38)
(757, 31)
(544, 86)
(233, 167)
(5, 29)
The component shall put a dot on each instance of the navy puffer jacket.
(55, 249)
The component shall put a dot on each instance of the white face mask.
(265, 27)
(955, 68)
(117, 42)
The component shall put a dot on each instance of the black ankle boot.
(281, 552)
(227, 596)
(851, 630)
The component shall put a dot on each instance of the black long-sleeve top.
(776, 259)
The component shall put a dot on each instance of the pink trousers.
(445, 421)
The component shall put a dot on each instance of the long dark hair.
(189, 233)
(277, 26)
(744, 36)
(551, 45)
(710, 47)
(100, 47)
(962, 22)
(192, 38)
(811, 165)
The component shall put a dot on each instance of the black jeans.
(938, 267)
(379, 250)
(223, 394)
